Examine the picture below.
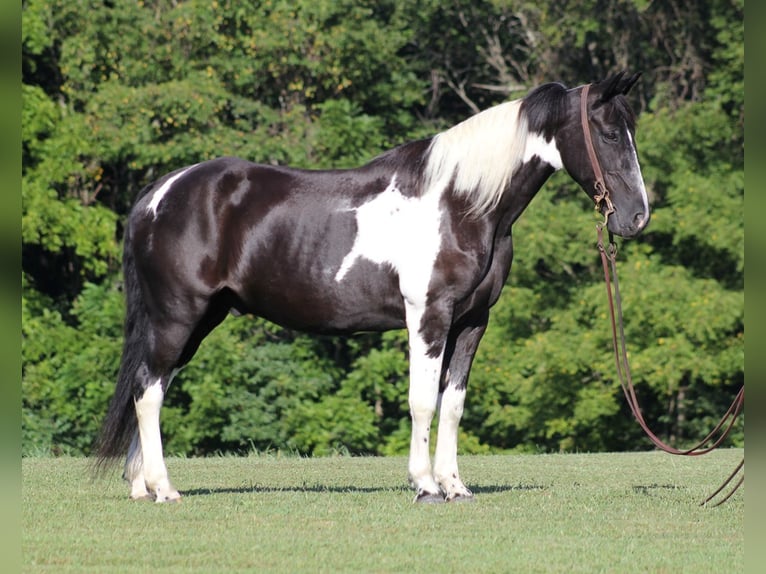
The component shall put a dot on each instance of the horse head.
(601, 155)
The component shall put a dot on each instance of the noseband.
(602, 194)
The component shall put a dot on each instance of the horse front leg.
(426, 353)
(458, 362)
(423, 395)
(446, 471)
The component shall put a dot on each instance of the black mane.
(545, 108)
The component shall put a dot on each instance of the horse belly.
(327, 263)
(311, 299)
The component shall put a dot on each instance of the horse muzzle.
(627, 227)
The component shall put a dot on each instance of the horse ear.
(629, 82)
(608, 88)
(618, 84)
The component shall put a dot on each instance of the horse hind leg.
(155, 472)
(134, 470)
(145, 467)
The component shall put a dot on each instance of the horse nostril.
(640, 219)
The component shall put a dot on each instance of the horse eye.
(612, 136)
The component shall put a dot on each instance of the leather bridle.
(602, 194)
(608, 260)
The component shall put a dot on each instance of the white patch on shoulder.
(402, 232)
(545, 150)
(160, 193)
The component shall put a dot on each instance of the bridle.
(602, 194)
(608, 261)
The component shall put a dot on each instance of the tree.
(117, 94)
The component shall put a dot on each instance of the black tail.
(120, 423)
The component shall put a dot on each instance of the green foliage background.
(116, 94)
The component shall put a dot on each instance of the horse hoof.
(166, 495)
(143, 497)
(429, 498)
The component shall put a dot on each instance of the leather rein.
(608, 260)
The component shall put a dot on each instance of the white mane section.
(481, 153)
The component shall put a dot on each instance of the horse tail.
(120, 423)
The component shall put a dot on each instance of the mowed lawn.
(631, 512)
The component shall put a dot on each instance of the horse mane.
(545, 108)
(482, 152)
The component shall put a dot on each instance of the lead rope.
(608, 258)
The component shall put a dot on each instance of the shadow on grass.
(322, 488)
(650, 489)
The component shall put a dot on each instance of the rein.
(608, 261)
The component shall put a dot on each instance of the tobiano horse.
(418, 238)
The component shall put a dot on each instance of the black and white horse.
(419, 238)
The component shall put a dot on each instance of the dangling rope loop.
(722, 429)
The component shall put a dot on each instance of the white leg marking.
(162, 191)
(155, 472)
(400, 231)
(134, 470)
(445, 460)
(134, 464)
(423, 396)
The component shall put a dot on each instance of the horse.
(418, 238)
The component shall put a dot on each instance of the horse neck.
(527, 180)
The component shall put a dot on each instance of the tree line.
(117, 93)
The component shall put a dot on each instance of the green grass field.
(636, 512)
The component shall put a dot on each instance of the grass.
(636, 512)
